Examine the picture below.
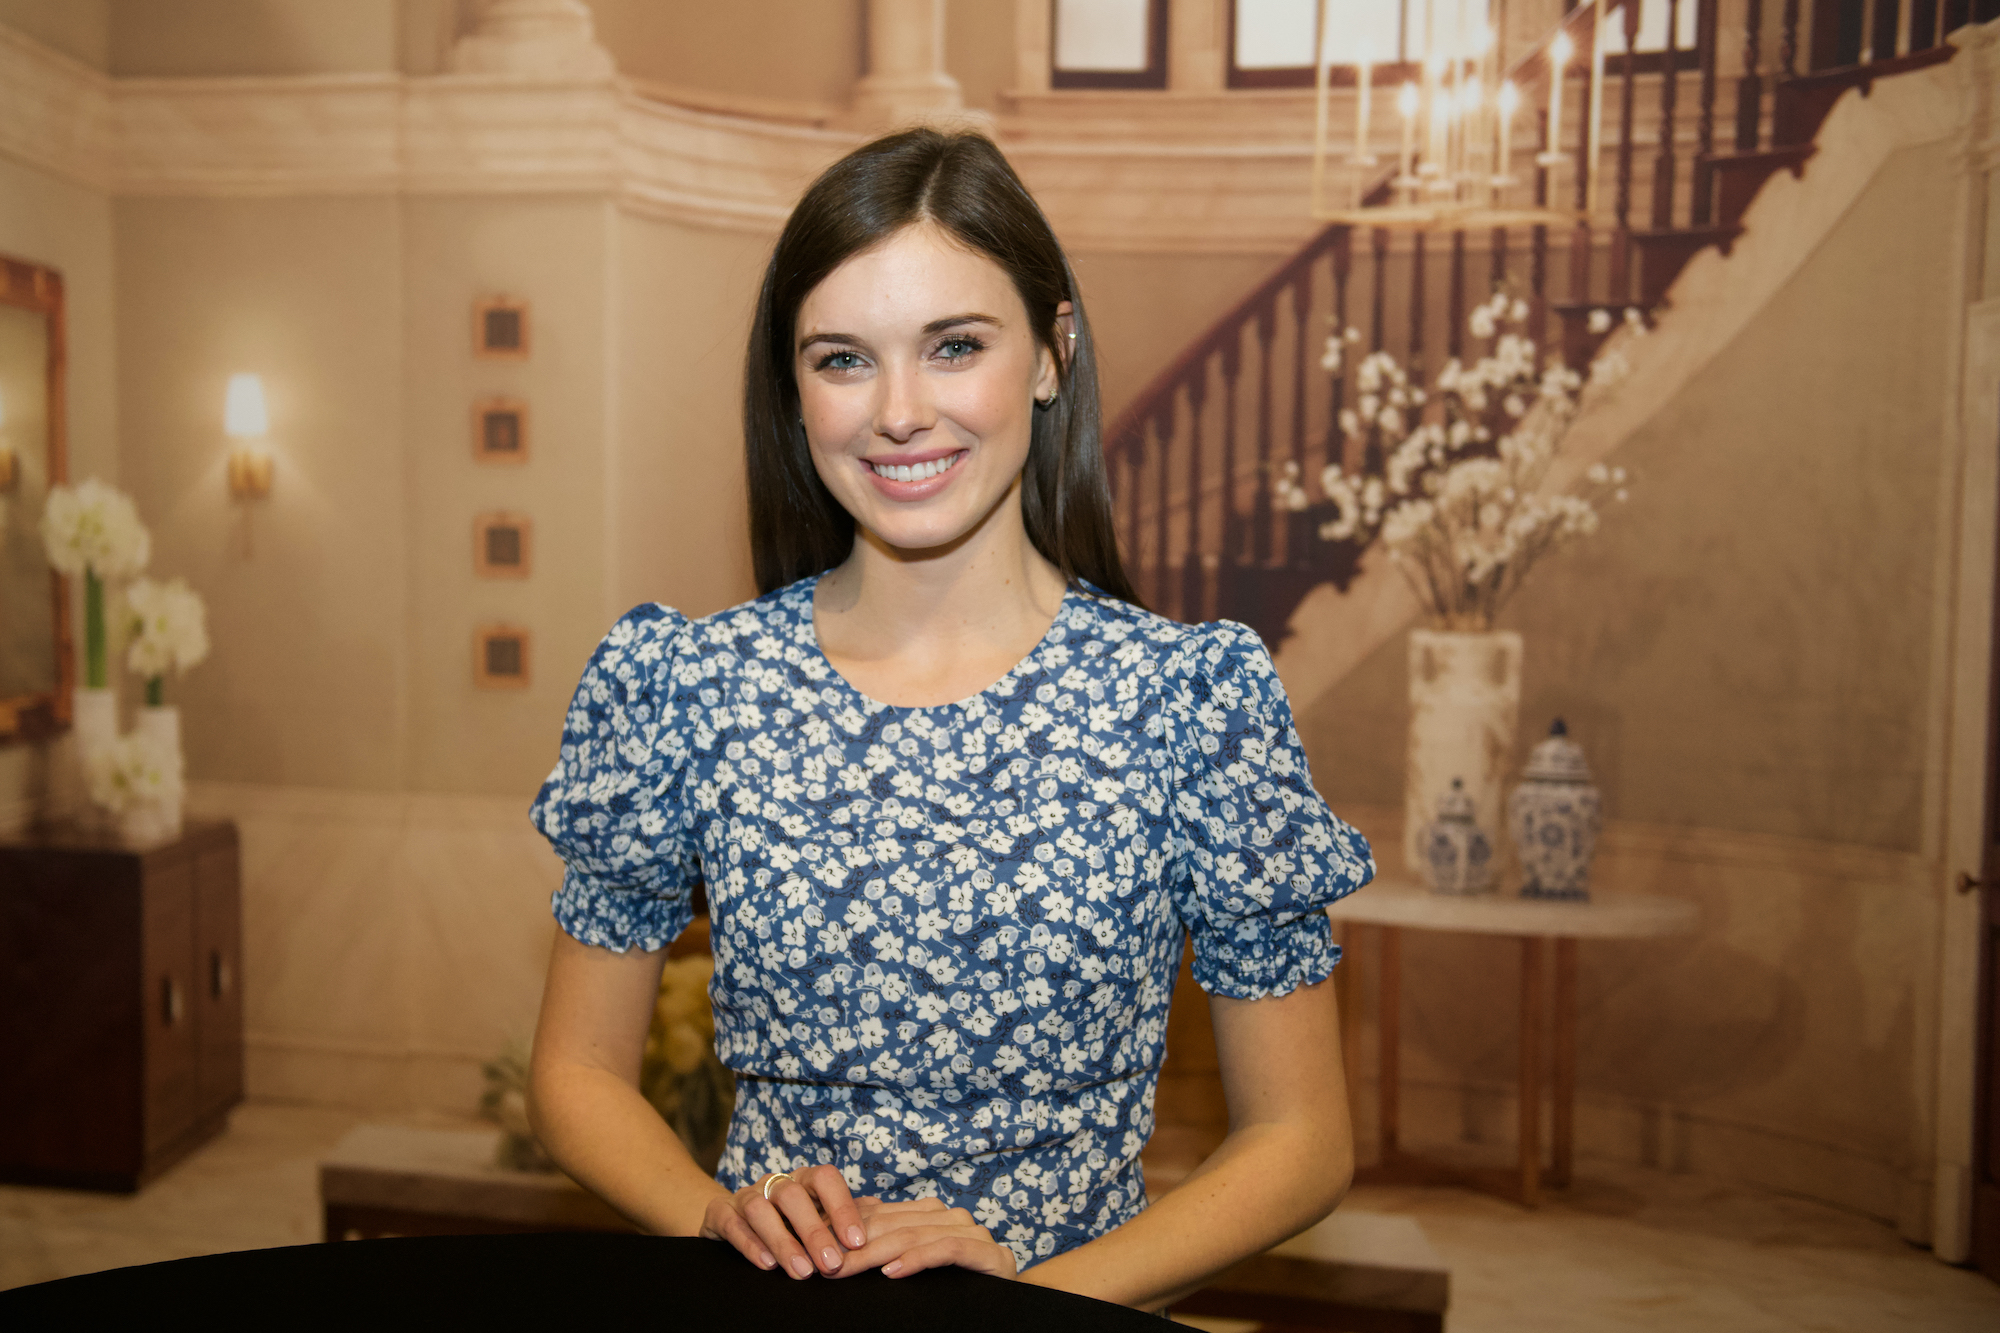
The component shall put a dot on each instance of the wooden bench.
(1353, 1273)
(1357, 1272)
(382, 1180)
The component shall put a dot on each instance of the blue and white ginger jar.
(1458, 856)
(1555, 816)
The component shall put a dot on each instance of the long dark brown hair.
(961, 183)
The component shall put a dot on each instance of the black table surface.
(580, 1281)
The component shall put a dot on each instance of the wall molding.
(1167, 181)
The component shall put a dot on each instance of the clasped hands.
(812, 1223)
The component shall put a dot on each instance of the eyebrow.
(936, 326)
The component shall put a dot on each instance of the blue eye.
(955, 349)
(838, 361)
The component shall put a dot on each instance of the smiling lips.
(907, 479)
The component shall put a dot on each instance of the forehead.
(915, 276)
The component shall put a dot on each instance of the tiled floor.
(1624, 1250)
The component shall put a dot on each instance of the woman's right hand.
(809, 1222)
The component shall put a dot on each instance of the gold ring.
(773, 1179)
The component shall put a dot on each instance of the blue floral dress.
(946, 938)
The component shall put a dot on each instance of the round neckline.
(1011, 673)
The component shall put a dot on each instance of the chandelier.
(1457, 108)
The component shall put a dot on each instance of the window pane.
(1364, 30)
(1102, 35)
(1653, 27)
(1275, 34)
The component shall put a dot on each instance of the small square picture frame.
(500, 431)
(502, 657)
(500, 329)
(503, 546)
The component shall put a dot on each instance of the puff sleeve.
(1258, 852)
(613, 807)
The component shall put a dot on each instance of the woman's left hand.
(906, 1238)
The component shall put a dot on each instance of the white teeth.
(918, 472)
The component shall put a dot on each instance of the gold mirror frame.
(39, 289)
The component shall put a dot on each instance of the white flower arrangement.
(169, 629)
(94, 528)
(1459, 503)
(133, 771)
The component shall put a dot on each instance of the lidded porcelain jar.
(1555, 816)
(1457, 854)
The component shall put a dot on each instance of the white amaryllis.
(169, 627)
(1459, 501)
(131, 771)
(94, 527)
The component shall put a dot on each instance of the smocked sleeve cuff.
(620, 917)
(1258, 957)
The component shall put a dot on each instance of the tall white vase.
(1465, 704)
(160, 728)
(94, 720)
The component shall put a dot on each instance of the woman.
(955, 797)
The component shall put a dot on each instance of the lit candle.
(1362, 108)
(1407, 103)
(1560, 51)
(1434, 126)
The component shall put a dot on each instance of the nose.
(903, 408)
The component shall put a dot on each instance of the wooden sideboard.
(121, 1003)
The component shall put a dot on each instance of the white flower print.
(946, 938)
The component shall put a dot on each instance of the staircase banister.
(1145, 405)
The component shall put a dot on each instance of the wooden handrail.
(1207, 461)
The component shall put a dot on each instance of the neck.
(938, 617)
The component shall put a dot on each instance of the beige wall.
(197, 38)
(1144, 308)
(80, 29)
(1746, 654)
(804, 52)
(682, 302)
(306, 591)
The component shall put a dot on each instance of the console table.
(121, 1003)
(1393, 906)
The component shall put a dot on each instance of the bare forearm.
(612, 1142)
(1264, 1184)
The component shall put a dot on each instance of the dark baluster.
(1750, 87)
(1232, 511)
(1454, 342)
(1496, 267)
(1295, 531)
(1163, 430)
(1134, 454)
(1260, 518)
(1416, 359)
(1541, 147)
(1699, 211)
(1621, 239)
(1538, 283)
(1923, 24)
(1663, 164)
(1788, 46)
(1379, 295)
(1882, 42)
(1586, 163)
(1343, 260)
(1193, 576)
(1579, 262)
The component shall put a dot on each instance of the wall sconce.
(245, 421)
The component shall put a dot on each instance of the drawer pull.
(219, 978)
(171, 1006)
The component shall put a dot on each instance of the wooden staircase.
(1202, 458)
